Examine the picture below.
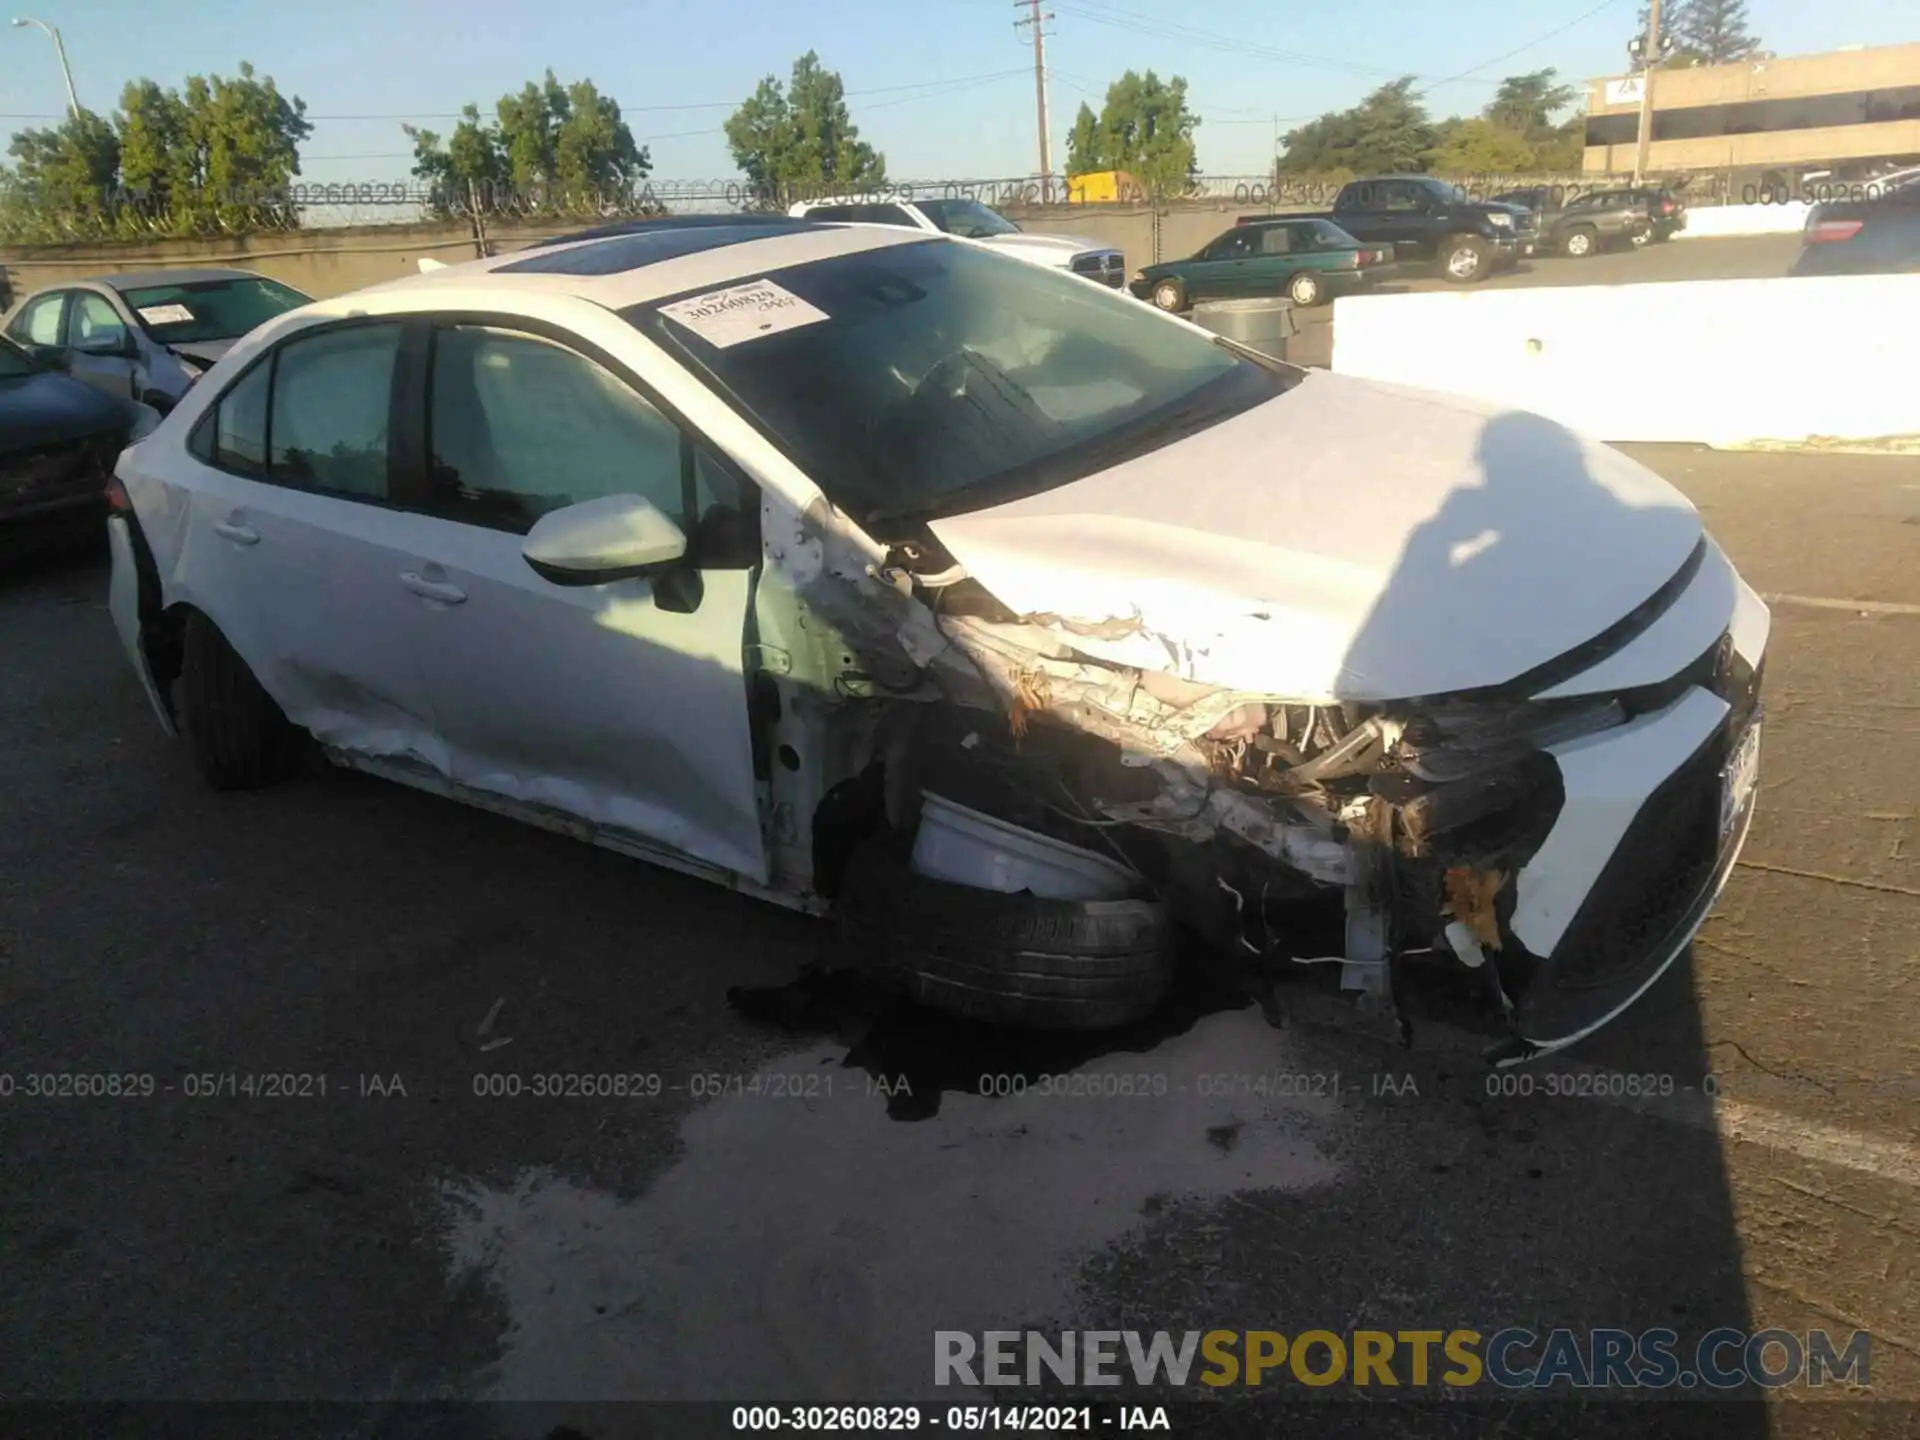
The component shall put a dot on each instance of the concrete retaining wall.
(1712, 221)
(322, 263)
(1721, 362)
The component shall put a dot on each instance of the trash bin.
(1264, 325)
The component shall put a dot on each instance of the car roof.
(141, 279)
(625, 269)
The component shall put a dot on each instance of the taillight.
(118, 501)
(1350, 260)
(1823, 232)
(1666, 207)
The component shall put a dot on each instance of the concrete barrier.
(1721, 362)
(1711, 222)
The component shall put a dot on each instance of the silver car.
(149, 334)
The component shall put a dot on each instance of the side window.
(94, 326)
(38, 322)
(830, 212)
(1234, 245)
(883, 215)
(234, 434)
(327, 428)
(1275, 240)
(519, 426)
(1398, 197)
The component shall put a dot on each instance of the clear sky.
(943, 87)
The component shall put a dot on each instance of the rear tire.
(1170, 296)
(240, 736)
(1582, 242)
(1304, 289)
(1465, 259)
(1003, 959)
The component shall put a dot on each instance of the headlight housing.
(1500, 220)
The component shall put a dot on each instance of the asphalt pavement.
(766, 1214)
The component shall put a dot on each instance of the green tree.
(1526, 104)
(217, 154)
(800, 139)
(551, 148)
(1477, 146)
(64, 178)
(1714, 30)
(1387, 131)
(1143, 128)
(1086, 144)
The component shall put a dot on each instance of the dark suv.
(1424, 216)
(1875, 234)
(1589, 224)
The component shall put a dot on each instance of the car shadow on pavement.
(1588, 1189)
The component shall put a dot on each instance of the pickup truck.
(1424, 217)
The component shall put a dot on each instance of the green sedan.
(1307, 261)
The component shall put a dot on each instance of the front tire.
(1582, 242)
(1002, 959)
(1465, 259)
(1304, 290)
(241, 738)
(1170, 296)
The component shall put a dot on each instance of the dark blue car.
(59, 439)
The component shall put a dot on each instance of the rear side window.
(237, 437)
(327, 429)
(38, 322)
(835, 213)
(311, 415)
(1274, 240)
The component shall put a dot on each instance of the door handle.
(239, 534)
(432, 589)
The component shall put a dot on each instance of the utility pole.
(1039, 23)
(73, 100)
(1650, 61)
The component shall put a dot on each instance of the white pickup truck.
(970, 220)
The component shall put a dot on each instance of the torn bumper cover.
(1579, 833)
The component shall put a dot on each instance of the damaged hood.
(1347, 540)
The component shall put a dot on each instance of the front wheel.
(1305, 289)
(1582, 241)
(1170, 296)
(1465, 259)
(1642, 238)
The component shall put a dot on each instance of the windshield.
(14, 362)
(968, 219)
(211, 309)
(926, 379)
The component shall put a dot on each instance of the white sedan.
(868, 570)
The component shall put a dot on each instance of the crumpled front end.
(1562, 837)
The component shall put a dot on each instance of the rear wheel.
(1582, 241)
(1305, 289)
(240, 737)
(1643, 237)
(1465, 259)
(1170, 295)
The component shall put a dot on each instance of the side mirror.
(51, 357)
(617, 537)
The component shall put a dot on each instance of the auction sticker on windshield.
(728, 317)
(167, 315)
